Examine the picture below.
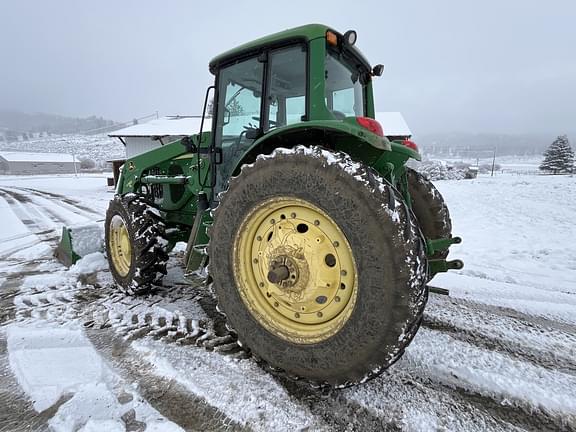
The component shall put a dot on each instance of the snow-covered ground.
(519, 243)
(498, 354)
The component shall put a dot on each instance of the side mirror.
(378, 70)
(226, 117)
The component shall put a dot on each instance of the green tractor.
(318, 240)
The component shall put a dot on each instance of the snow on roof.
(165, 126)
(16, 156)
(393, 124)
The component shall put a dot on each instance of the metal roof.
(165, 126)
(393, 124)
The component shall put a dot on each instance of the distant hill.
(470, 144)
(14, 124)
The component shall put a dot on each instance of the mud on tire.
(387, 246)
(146, 232)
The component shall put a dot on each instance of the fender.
(345, 135)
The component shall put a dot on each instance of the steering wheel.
(339, 115)
(273, 123)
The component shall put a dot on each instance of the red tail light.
(370, 124)
(410, 144)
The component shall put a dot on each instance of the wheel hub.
(288, 270)
(295, 270)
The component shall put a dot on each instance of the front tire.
(352, 237)
(135, 244)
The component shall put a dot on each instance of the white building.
(14, 162)
(143, 137)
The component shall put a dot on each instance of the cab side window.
(287, 94)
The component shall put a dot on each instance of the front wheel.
(318, 265)
(135, 244)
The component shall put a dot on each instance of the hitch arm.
(433, 246)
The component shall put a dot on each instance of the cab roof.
(306, 33)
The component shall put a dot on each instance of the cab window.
(238, 115)
(287, 86)
(344, 88)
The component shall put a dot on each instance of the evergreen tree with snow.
(559, 157)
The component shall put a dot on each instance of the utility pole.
(493, 161)
(74, 163)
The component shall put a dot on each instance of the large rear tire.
(318, 265)
(135, 244)
(430, 209)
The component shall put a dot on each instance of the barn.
(14, 162)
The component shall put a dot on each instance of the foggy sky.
(489, 66)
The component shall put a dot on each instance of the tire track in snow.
(43, 222)
(17, 413)
(62, 201)
(10, 289)
(525, 341)
(39, 300)
(413, 404)
(16, 410)
(336, 410)
(41, 210)
(505, 312)
(533, 397)
(35, 217)
(164, 394)
(547, 360)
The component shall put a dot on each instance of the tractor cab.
(306, 79)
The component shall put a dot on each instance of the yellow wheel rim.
(120, 248)
(295, 270)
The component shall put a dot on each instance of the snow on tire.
(430, 209)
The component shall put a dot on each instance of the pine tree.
(559, 157)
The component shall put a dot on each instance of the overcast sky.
(488, 66)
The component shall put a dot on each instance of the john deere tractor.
(318, 240)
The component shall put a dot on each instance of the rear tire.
(135, 244)
(430, 209)
(385, 244)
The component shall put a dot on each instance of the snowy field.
(98, 148)
(498, 354)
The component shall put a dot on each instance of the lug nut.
(319, 314)
(276, 304)
(316, 222)
(297, 315)
(343, 273)
(336, 244)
